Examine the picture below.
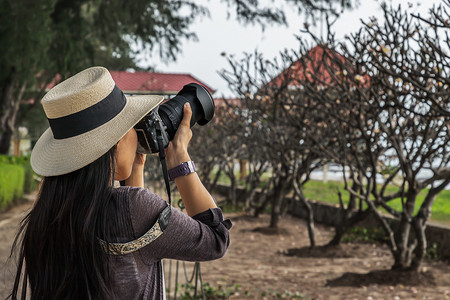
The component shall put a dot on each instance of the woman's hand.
(176, 152)
(137, 171)
(139, 160)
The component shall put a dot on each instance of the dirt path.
(278, 264)
(269, 266)
(9, 223)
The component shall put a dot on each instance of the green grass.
(327, 192)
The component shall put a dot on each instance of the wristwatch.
(185, 168)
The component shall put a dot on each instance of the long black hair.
(59, 252)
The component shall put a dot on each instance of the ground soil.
(268, 264)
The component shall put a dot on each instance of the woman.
(85, 239)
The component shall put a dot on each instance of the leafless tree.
(413, 113)
(396, 99)
(279, 120)
(329, 100)
(382, 112)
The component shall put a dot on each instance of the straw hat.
(88, 114)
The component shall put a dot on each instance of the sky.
(219, 34)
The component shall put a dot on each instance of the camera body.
(158, 127)
(149, 130)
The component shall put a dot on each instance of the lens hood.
(206, 101)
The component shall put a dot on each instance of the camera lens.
(161, 125)
(201, 102)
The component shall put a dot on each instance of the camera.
(158, 127)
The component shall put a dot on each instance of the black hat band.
(89, 118)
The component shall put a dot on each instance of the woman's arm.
(202, 237)
(195, 197)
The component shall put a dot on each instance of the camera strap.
(162, 159)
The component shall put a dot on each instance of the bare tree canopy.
(377, 103)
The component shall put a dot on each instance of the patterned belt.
(148, 237)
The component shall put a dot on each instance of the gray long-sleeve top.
(139, 275)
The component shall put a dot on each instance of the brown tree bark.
(9, 106)
(310, 221)
(280, 191)
(402, 257)
(348, 222)
(276, 207)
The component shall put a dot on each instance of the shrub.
(30, 183)
(12, 178)
(16, 178)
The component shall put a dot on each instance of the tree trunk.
(263, 198)
(276, 207)
(277, 200)
(249, 197)
(348, 222)
(352, 199)
(310, 221)
(402, 257)
(232, 195)
(259, 210)
(232, 192)
(420, 223)
(9, 106)
(212, 185)
(349, 217)
(419, 253)
(339, 232)
(309, 210)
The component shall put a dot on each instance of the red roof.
(153, 82)
(315, 67)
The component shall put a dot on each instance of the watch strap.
(183, 169)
